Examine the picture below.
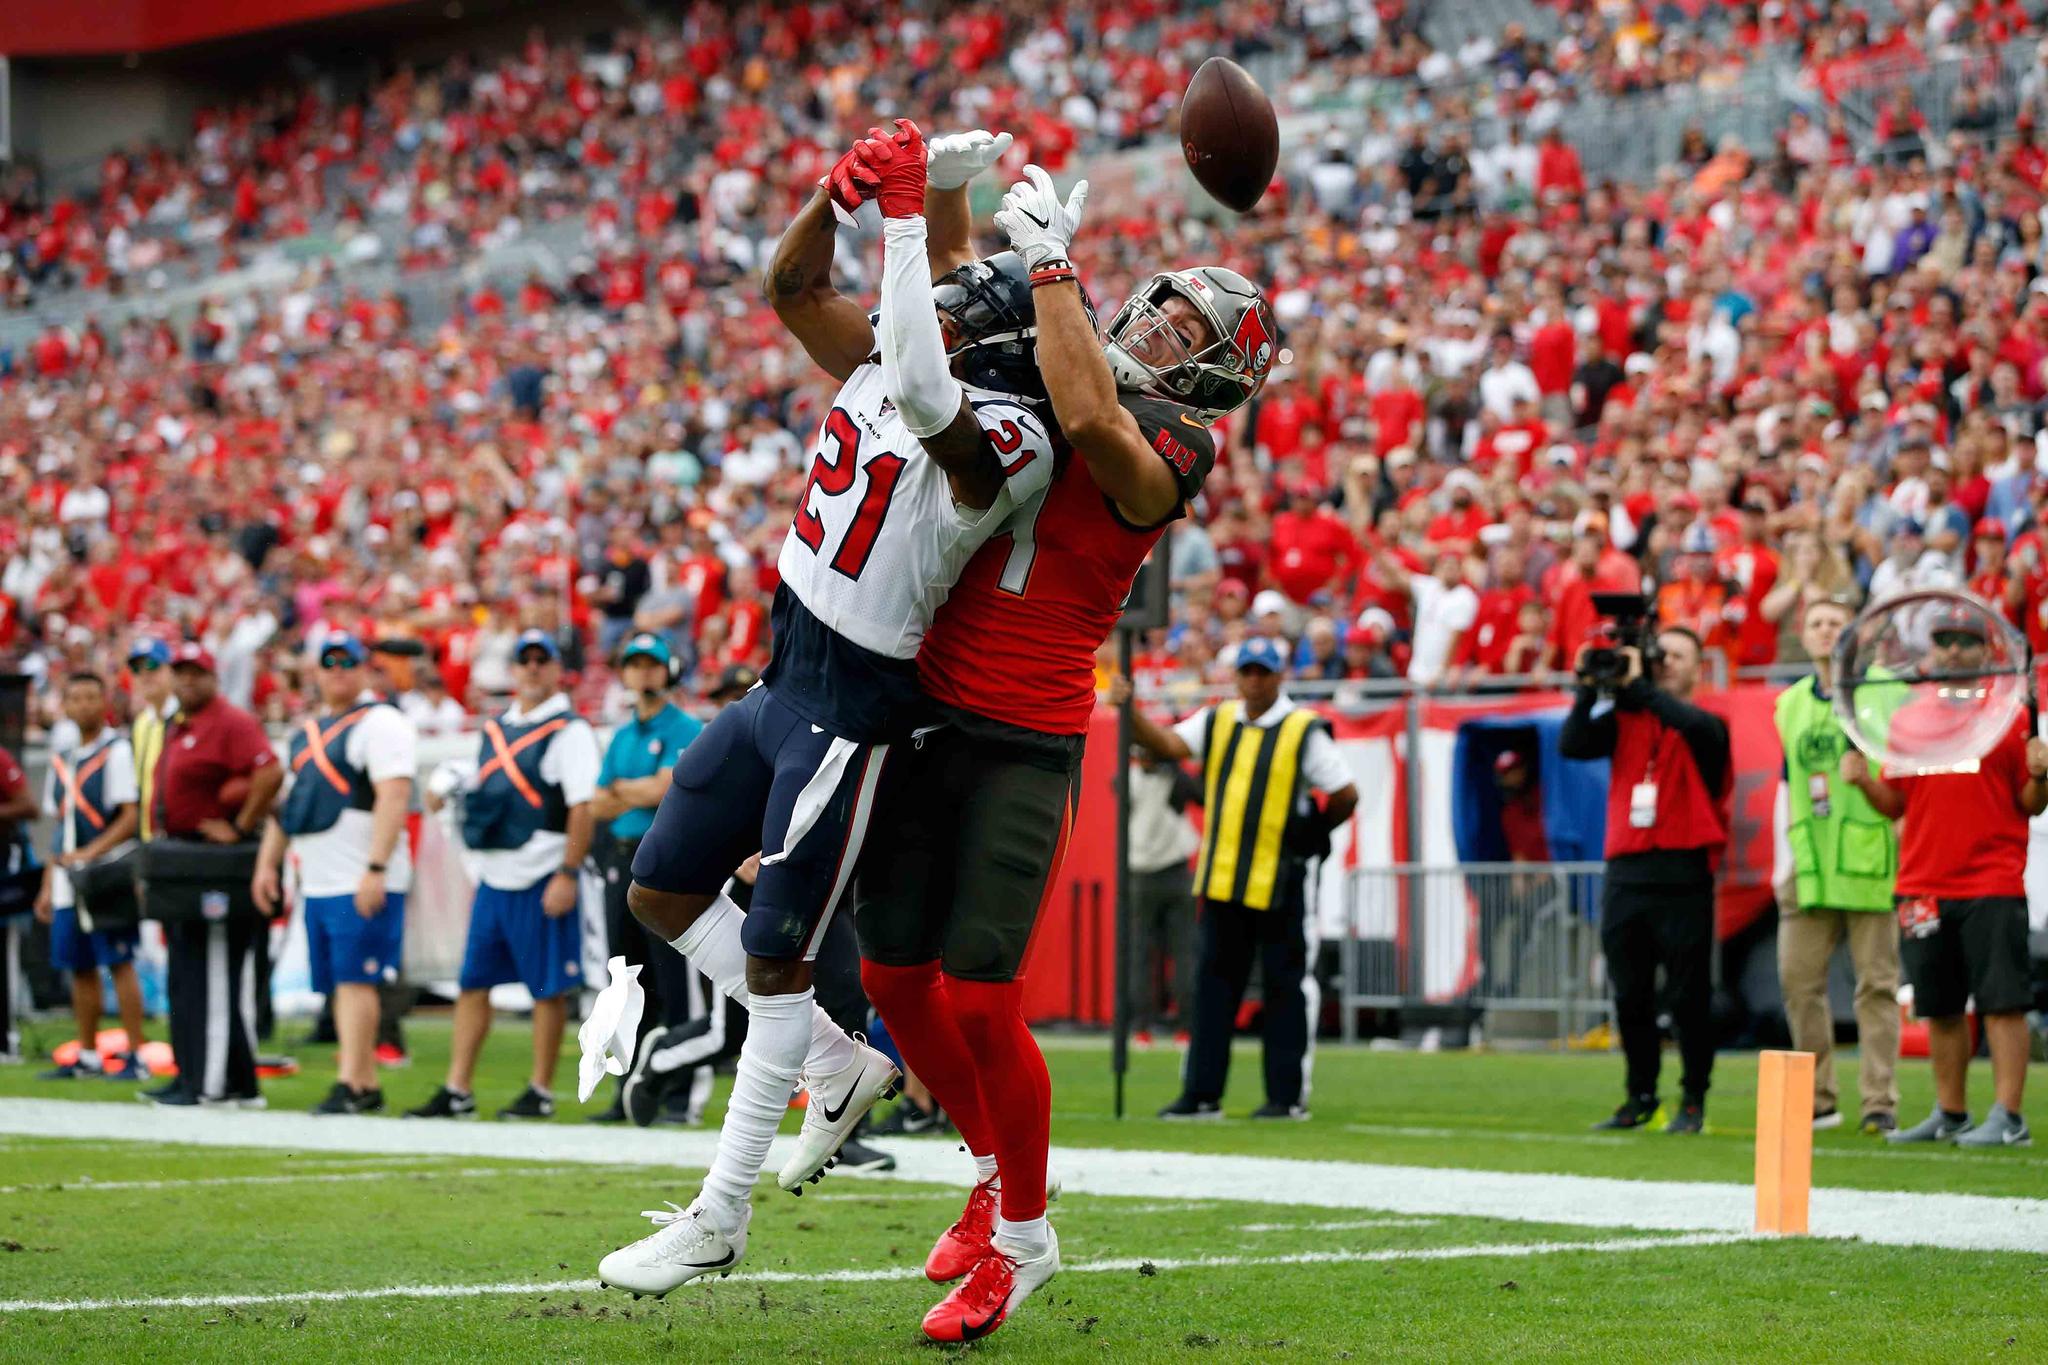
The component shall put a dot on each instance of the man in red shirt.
(215, 781)
(1485, 647)
(1311, 546)
(1962, 897)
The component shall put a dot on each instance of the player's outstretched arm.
(1077, 377)
(915, 370)
(832, 329)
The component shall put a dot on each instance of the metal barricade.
(1513, 942)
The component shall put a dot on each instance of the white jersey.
(878, 541)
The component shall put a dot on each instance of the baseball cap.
(1960, 617)
(1260, 652)
(537, 639)
(646, 645)
(192, 654)
(343, 643)
(152, 649)
(1506, 759)
(1698, 540)
(737, 678)
(1991, 528)
(1269, 600)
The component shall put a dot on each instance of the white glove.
(953, 159)
(608, 1035)
(1039, 226)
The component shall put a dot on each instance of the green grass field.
(387, 1251)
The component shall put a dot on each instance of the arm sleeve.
(1585, 735)
(1323, 765)
(1704, 733)
(1194, 731)
(120, 786)
(914, 368)
(390, 744)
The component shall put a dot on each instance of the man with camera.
(1667, 821)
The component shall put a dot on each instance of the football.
(1228, 133)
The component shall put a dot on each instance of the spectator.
(1835, 885)
(527, 817)
(215, 780)
(1962, 905)
(1253, 878)
(1667, 820)
(90, 792)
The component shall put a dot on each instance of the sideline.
(1963, 1222)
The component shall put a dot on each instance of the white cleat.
(686, 1245)
(1032, 1272)
(838, 1103)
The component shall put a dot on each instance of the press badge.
(1919, 917)
(1817, 795)
(1642, 805)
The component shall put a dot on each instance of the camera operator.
(1666, 824)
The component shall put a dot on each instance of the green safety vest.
(1849, 858)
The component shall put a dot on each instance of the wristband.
(378, 868)
(1045, 277)
(567, 871)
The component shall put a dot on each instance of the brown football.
(1229, 134)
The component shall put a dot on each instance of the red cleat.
(959, 1247)
(998, 1283)
(390, 1056)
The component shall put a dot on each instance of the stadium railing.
(1514, 946)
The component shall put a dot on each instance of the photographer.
(1666, 823)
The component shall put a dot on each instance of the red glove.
(852, 181)
(899, 161)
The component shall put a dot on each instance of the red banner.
(31, 29)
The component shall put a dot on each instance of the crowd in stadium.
(1762, 378)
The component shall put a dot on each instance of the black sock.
(1959, 1115)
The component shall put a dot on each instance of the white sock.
(712, 943)
(778, 1031)
(88, 1057)
(831, 1049)
(984, 1169)
(1028, 1236)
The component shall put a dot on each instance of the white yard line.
(1959, 1221)
(86, 1183)
(1124, 1265)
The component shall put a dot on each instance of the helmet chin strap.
(1130, 372)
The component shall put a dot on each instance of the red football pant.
(952, 1033)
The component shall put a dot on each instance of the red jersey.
(1015, 640)
(1963, 834)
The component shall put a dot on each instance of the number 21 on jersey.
(833, 475)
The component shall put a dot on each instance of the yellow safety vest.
(1251, 779)
(146, 737)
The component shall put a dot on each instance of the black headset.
(675, 665)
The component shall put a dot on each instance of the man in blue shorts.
(526, 814)
(348, 784)
(91, 792)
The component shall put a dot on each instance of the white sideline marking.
(1963, 1222)
(309, 1178)
(1347, 1225)
(1120, 1264)
(1877, 1151)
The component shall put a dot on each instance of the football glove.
(897, 159)
(851, 182)
(1039, 226)
(953, 159)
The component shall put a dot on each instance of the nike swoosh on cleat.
(832, 1115)
(974, 1331)
(711, 1265)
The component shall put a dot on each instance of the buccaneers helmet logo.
(1254, 342)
